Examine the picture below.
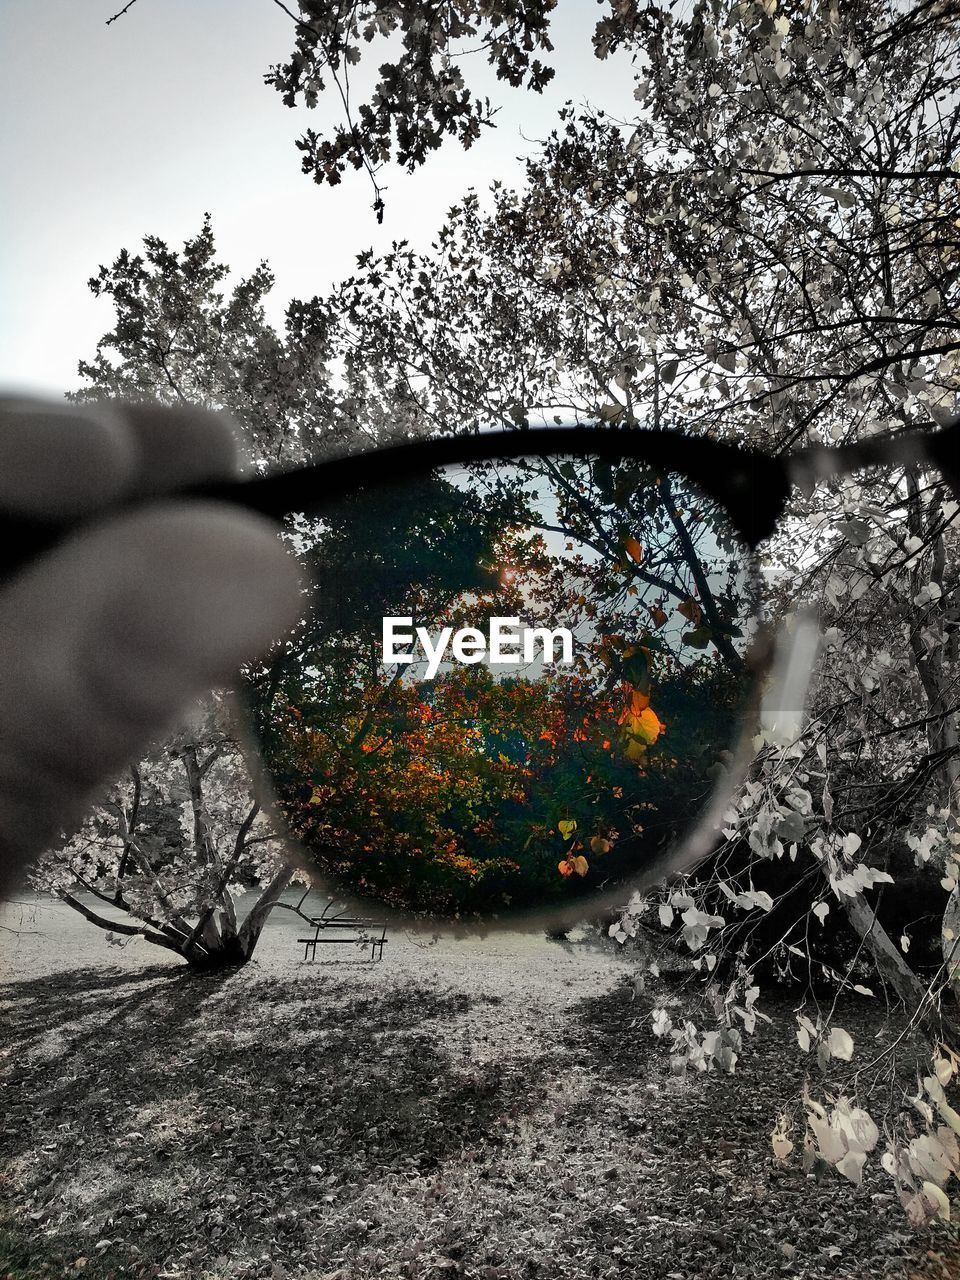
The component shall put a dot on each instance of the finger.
(61, 460)
(178, 447)
(64, 460)
(106, 638)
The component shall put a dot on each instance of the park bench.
(333, 926)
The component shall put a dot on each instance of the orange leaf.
(633, 549)
(639, 702)
(650, 727)
(565, 867)
(691, 611)
(599, 845)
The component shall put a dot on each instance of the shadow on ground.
(249, 1101)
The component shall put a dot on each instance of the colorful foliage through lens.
(479, 787)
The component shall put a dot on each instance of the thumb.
(106, 638)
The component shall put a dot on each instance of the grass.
(499, 1111)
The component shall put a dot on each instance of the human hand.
(107, 636)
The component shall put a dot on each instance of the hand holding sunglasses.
(141, 605)
(526, 672)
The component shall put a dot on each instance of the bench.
(357, 929)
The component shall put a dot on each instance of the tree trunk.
(894, 969)
(230, 950)
(252, 926)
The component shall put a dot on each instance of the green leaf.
(697, 639)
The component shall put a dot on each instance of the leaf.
(633, 549)
(649, 726)
(851, 1166)
(567, 827)
(699, 638)
(791, 827)
(756, 898)
(944, 1070)
(658, 615)
(638, 703)
(857, 1126)
(821, 911)
(937, 1200)
(661, 1022)
(599, 845)
(840, 1043)
(668, 371)
(782, 1146)
(665, 912)
(691, 611)
(580, 865)
(565, 867)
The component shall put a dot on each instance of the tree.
(170, 845)
(422, 97)
(457, 788)
(180, 338)
(764, 250)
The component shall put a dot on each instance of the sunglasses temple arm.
(937, 448)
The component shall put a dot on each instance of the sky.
(140, 127)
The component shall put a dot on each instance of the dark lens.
(514, 684)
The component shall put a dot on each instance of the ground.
(495, 1109)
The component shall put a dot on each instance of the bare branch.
(126, 8)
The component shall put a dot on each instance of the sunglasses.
(531, 665)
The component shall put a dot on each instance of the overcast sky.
(140, 127)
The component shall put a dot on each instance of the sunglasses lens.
(514, 683)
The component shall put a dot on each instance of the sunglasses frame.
(753, 488)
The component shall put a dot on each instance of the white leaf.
(831, 1144)
(840, 1043)
(857, 1126)
(782, 1146)
(851, 1166)
(938, 1201)
(851, 843)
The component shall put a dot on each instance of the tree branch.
(126, 8)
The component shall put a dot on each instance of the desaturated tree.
(171, 845)
(181, 337)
